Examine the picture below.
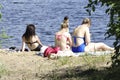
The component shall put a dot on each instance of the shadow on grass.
(77, 73)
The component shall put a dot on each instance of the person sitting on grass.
(34, 44)
(63, 40)
(82, 42)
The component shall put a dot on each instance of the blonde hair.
(86, 21)
(64, 25)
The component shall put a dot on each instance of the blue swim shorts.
(80, 48)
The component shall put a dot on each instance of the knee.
(102, 44)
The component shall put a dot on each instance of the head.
(86, 21)
(66, 19)
(30, 31)
(64, 26)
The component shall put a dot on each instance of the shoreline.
(29, 66)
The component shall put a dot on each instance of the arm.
(55, 40)
(87, 36)
(38, 40)
(70, 40)
(23, 45)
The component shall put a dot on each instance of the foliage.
(4, 34)
(0, 18)
(0, 13)
(113, 10)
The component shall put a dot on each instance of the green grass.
(85, 67)
(2, 69)
(78, 68)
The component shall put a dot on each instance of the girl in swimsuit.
(63, 38)
(34, 44)
(31, 39)
(81, 39)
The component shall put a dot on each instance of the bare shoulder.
(76, 29)
(84, 28)
(23, 38)
(79, 28)
(36, 36)
(57, 32)
(67, 34)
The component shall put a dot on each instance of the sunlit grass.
(78, 68)
(2, 69)
(85, 67)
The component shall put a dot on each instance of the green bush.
(113, 10)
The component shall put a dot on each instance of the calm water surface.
(47, 15)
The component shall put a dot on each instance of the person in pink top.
(63, 37)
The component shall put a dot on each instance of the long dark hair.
(30, 31)
(65, 19)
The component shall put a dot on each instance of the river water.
(47, 16)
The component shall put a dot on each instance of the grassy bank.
(29, 66)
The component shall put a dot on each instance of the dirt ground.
(30, 66)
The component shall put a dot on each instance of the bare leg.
(104, 47)
(97, 47)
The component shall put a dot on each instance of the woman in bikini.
(81, 39)
(31, 39)
(63, 38)
(34, 44)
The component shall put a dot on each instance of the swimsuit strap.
(75, 39)
(31, 43)
(60, 36)
(78, 37)
(37, 48)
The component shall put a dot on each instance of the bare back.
(62, 39)
(32, 43)
(81, 33)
